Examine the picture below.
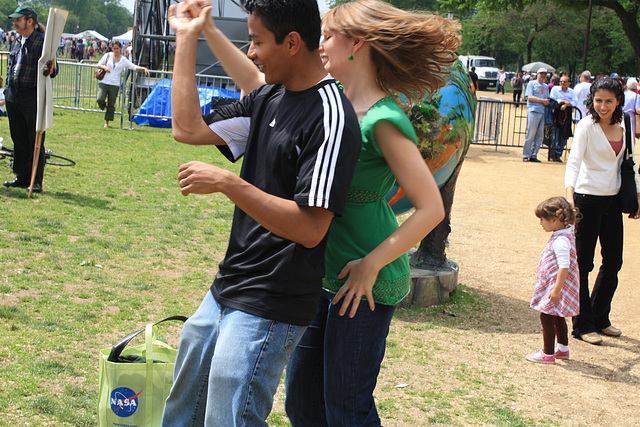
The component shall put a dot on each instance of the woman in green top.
(378, 53)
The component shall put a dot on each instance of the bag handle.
(118, 348)
(627, 130)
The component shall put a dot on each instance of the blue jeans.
(559, 141)
(228, 367)
(332, 373)
(535, 134)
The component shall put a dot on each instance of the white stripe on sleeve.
(324, 168)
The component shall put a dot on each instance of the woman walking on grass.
(113, 63)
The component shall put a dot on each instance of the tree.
(107, 17)
(625, 10)
(551, 34)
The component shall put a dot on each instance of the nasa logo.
(124, 401)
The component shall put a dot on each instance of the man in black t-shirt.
(300, 139)
(474, 79)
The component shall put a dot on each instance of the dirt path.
(497, 240)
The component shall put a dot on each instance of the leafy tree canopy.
(626, 12)
(108, 17)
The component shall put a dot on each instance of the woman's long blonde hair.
(410, 49)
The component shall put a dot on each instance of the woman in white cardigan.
(592, 182)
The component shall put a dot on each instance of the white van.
(485, 69)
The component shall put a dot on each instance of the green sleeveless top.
(368, 219)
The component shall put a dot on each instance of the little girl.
(556, 294)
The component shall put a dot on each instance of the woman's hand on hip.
(359, 284)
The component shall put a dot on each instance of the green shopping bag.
(135, 381)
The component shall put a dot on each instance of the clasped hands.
(189, 16)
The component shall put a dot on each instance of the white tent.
(124, 38)
(90, 34)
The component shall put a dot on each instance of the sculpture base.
(431, 287)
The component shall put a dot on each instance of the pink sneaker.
(540, 357)
(561, 354)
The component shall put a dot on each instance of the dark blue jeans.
(559, 142)
(601, 219)
(333, 371)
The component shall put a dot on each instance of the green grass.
(112, 244)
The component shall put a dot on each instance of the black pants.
(21, 110)
(601, 219)
(516, 95)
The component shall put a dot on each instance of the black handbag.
(628, 192)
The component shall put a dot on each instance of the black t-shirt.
(474, 77)
(300, 146)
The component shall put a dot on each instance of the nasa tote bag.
(135, 380)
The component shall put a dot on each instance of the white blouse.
(113, 78)
(593, 167)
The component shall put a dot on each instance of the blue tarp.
(158, 103)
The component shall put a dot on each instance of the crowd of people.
(72, 47)
(551, 101)
(80, 48)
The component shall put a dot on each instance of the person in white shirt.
(631, 102)
(592, 182)
(502, 77)
(113, 63)
(582, 90)
(566, 98)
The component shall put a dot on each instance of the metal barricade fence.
(75, 88)
(143, 86)
(503, 123)
(500, 123)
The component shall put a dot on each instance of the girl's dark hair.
(558, 207)
(281, 17)
(613, 86)
(116, 43)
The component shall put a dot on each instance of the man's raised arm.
(186, 117)
(234, 61)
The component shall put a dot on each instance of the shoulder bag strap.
(120, 345)
(629, 140)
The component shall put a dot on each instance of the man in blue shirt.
(537, 95)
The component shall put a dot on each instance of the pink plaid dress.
(569, 304)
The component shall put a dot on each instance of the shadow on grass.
(620, 373)
(17, 193)
(83, 200)
(487, 312)
(475, 309)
